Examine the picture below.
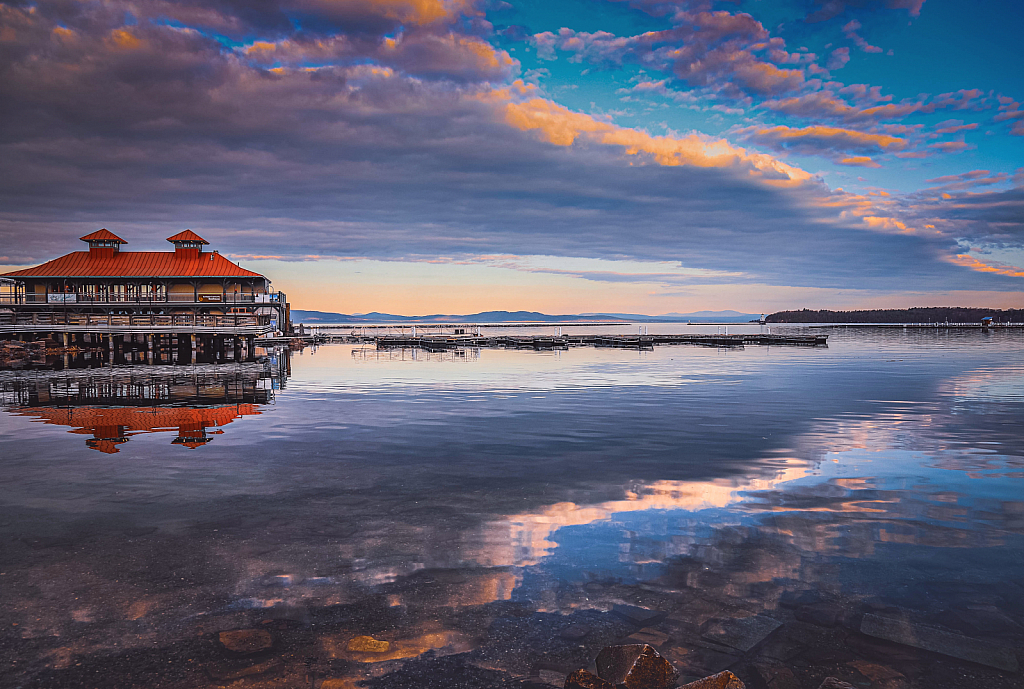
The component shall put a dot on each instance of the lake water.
(486, 510)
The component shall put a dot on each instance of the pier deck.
(443, 342)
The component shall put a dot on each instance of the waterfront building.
(185, 301)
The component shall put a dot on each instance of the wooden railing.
(143, 321)
(59, 299)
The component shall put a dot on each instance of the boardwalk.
(445, 342)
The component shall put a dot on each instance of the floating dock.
(443, 342)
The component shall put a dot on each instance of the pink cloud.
(850, 30)
(953, 126)
(838, 58)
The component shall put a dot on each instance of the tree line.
(937, 314)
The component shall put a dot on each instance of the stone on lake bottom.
(723, 680)
(637, 666)
(338, 683)
(641, 617)
(582, 679)
(574, 632)
(246, 641)
(835, 683)
(367, 644)
(741, 633)
(698, 661)
(874, 671)
(229, 672)
(777, 676)
(939, 641)
(648, 635)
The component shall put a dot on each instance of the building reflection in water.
(115, 404)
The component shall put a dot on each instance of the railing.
(145, 321)
(170, 298)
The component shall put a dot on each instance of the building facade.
(188, 298)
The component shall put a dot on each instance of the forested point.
(939, 314)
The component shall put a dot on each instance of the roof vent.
(103, 243)
(187, 244)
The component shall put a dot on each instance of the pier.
(443, 342)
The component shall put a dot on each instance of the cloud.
(559, 125)
(823, 140)
(715, 50)
(834, 8)
(838, 58)
(954, 126)
(858, 161)
(850, 31)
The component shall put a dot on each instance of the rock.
(777, 676)
(794, 599)
(698, 660)
(551, 678)
(822, 615)
(641, 617)
(338, 683)
(742, 633)
(723, 680)
(979, 621)
(835, 683)
(637, 666)
(246, 641)
(581, 679)
(574, 632)
(939, 641)
(649, 636)
(228, 672)
(874, 671)
(367, 644)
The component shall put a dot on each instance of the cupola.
(187, 244)
(103, 243)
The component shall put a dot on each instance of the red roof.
(136, 264)
(101, 235)
(187, 236)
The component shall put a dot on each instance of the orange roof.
(101, 235)
(135, 264)
(111, 426)
(187, 236)
(138, 419)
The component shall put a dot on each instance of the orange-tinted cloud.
(968, 261)
(563, 127)
(859, 161)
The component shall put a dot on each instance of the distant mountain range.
(315, 317)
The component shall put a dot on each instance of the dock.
(443, 342)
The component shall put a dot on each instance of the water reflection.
(112, 427)
(118, 403)
(478, 506)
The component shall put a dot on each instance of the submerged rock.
(939, 641)
(246, 641)
(741, 633)
(723, 680)
(582, 679)
(835, 683)
(367, 644)
(637, 666)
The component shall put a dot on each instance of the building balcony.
(234, 324)
(68, 299)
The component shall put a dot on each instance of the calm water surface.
(426, 495)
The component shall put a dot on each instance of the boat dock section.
(442, 342)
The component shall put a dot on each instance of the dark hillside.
(938, 314)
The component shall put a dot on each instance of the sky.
(564, 156)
